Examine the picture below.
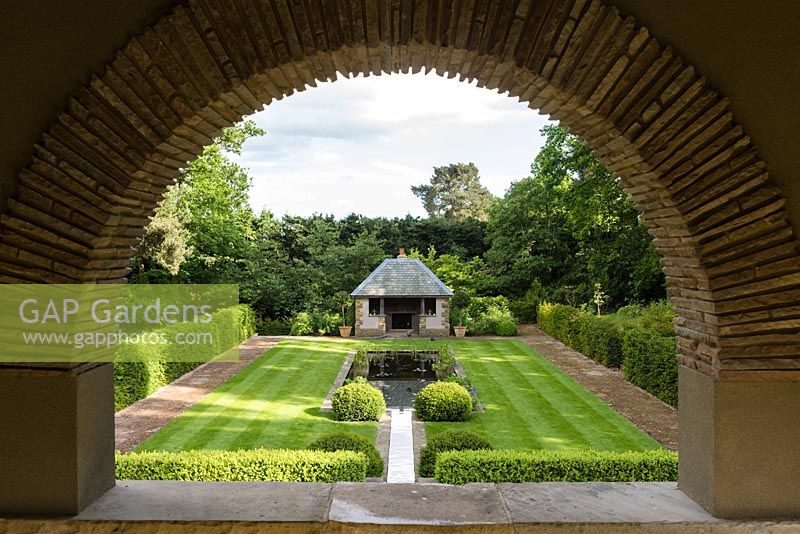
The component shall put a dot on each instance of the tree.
(569, 226)
(166, 240)
(455, 193)
(202, 232)
(215, 192)
(468, 277)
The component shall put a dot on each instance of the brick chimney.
(402, 253)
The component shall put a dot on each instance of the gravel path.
(137, 422)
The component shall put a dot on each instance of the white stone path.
(401, 447)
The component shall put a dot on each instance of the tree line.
(564, 233)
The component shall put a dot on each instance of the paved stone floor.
(401, 448)
(398, 504)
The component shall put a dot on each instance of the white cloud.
(325, 157)
(358, 145)
(395, 168)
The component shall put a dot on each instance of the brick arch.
(727, 249)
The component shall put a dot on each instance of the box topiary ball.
(443, 401)
(506, 327)
(358, 402)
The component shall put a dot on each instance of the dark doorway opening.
(402, 321)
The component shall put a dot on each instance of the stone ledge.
(170, 506)
(327, 404)
(398, 504)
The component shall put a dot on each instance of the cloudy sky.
(358, 145)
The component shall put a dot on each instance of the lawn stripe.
(181, 432)
(542, 407)
(275, 379)
(567, 408)
(501, 420)
(621, 429)
(548, 409)
(273, 403)
(609, 429)
(230, 404)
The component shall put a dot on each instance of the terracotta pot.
(460, 331)
(344, 331)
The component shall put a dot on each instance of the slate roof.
(402, 277)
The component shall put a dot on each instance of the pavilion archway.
(727, 248)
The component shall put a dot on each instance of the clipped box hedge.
(601, 340)
(449, 440)
(443, 401)
(349, 441)
(144, 367)
(644, 348)
(463, 467)
(650, 363)
(259, 465)
(556, 320)
(598, 338)
(358, 401)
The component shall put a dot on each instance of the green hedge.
(463, 467)
(315, 323)
(490, 316)
(650, 363)
(144, 367)
(273, 327)
(247, 321)
(449, 440)
(601, 340)
(556, 319)
(348, 441)
(506, 327)
(641, 340)
(276, 465)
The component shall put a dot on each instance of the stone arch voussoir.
(728, 251)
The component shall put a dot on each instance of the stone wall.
(728, 251)
(443, 319)
(362, 315)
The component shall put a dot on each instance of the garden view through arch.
(728, 251)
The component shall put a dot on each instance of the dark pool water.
(400, 393)
(400, 376)
(400, 367)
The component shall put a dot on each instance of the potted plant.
(344, 302)
(459, 328)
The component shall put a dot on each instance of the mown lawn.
(272, 403)
(531, 404)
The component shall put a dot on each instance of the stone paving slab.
(166, 500)
(417, 504)
(161, 506)
(401, 448)
(600, 502)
